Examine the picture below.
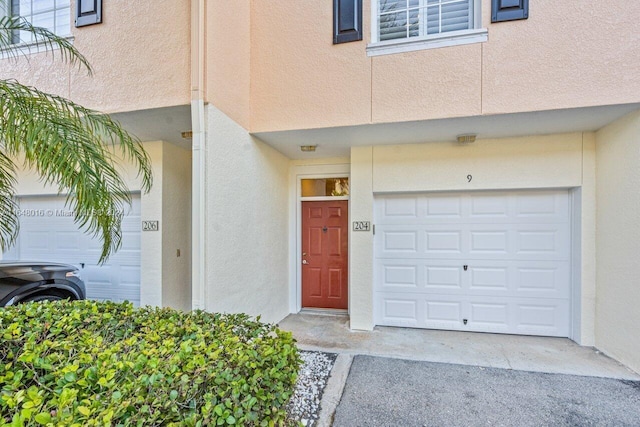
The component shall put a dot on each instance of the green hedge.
(89, 363)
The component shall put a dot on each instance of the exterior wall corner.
(361, 244)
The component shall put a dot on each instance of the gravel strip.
(315, 370)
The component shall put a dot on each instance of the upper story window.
(405, 25)
(54, 15)
(414, 18)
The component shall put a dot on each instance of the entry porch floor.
(331, 333)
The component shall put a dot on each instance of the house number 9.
(469, 178)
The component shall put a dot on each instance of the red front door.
(325, 254)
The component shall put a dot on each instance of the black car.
(22, 281)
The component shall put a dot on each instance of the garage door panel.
(65, 240)
(411, 275)
(489, 242)
(443, 314)
(474, 241)
(543, 317)
(414, 241)
(492, 206)
(443, 242)
(99, 290)
(542, 206)
(543, 242)
(439, 277)
(488, 315)
(542, 279)
(37, 240)
(515, 247)
(446, 208)
(400, 241)
(398, 277)
(529, 279)
(103, 291)
(403, 311)
(404, 208)
(495, 315)
(48, 233)
(489, 279)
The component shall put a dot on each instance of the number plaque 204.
(361, 225)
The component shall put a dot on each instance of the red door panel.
(325, 254)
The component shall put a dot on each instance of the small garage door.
(48, 233)
(485, 261)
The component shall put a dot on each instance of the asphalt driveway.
(392, 392)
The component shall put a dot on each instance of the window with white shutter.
(400, 22)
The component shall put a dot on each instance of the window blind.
(411, 18)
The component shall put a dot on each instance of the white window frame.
(452, 38)
(29, 17)
(30, 47)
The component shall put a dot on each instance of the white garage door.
(485, 261)
(48, 233)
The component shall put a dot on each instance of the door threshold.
(325, 311)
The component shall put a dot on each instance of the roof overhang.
(337, 141)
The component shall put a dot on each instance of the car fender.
(36, 287)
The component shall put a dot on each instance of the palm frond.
(42, 37)
(9, 223)
(76, 149)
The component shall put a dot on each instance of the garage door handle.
(82, 265)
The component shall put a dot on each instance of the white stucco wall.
(618, 240)
(176, 227)
(552, 161)
(151, 241)
(530, 162)
(361, 244)
(585, 251)
(247, 223)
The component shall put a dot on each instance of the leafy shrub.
(90, 363)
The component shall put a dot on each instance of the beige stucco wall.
(567, 54)
(139, 53)
(247, 225)
(553, 161)
(273, 66)
(228, 58)
(299, 79)
(618, 237)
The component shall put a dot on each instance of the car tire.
(42, 297)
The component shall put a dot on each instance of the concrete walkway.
(538, 354)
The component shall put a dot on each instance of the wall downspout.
(198, 128)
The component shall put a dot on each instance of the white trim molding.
(456, 38)
(297, 173)
(30, 48)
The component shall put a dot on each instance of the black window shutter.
(347, 21)
(88, 12)
(509, 10)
